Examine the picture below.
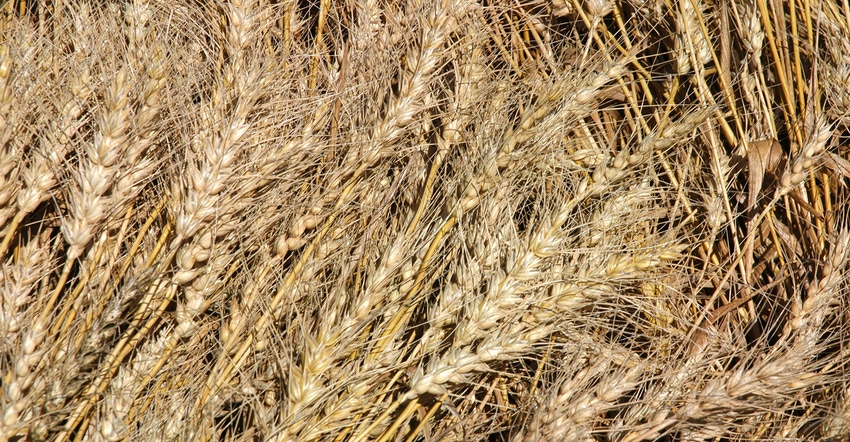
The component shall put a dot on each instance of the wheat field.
(425, 220)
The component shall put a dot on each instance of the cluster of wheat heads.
(424, 220)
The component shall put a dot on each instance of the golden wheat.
(424, 220)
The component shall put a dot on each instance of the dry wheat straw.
(38, 175)
(21, 336)
(320, 353)
(590, 392)
(424, 220)
(399, 114)
(87, 200)
(9, 121)
(485, 321)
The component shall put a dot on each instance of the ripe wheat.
(424, 220)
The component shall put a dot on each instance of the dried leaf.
(837, 164)
(764, 156)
